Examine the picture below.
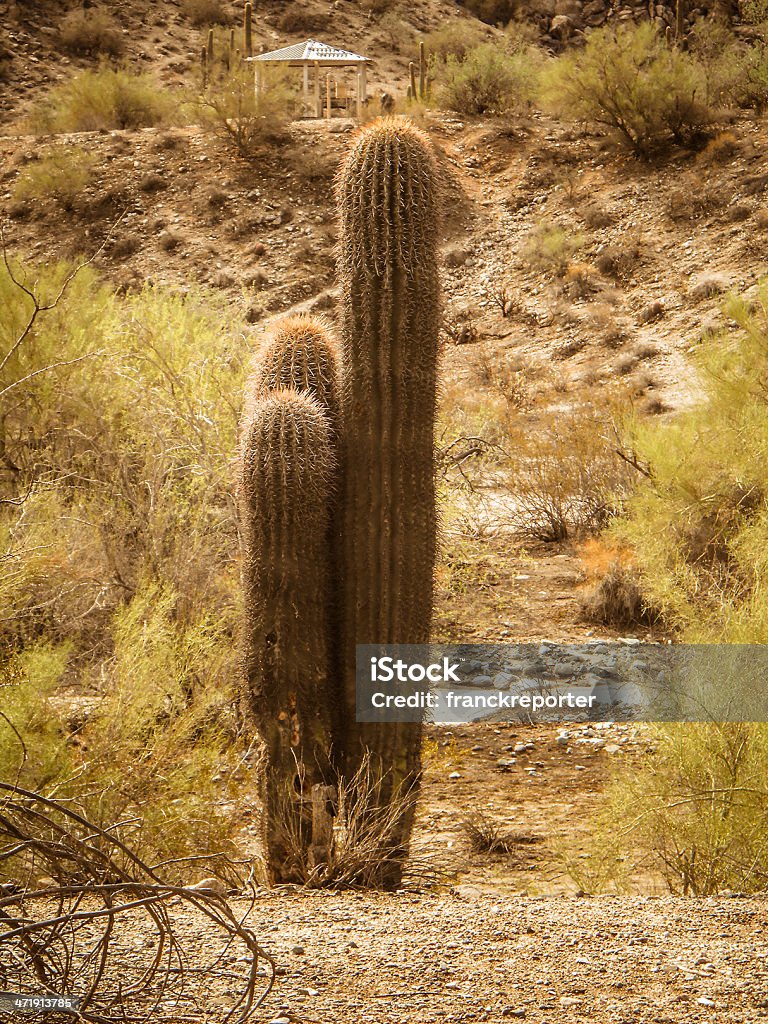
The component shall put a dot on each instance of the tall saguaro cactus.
(389, 322)
(285, 494)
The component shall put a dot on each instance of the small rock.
(298, 950)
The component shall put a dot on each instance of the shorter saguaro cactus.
(300, 355)
(285, 499)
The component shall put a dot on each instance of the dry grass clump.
(720, 149)
(614, 335)
(692, 202)
(614, 595)
(153, 182)
(581, 280)
(709, 285)
(487, 835)
(205, 12)
(510, 376)
(92, 33)
(595, 216)
(563, 475)
(619, 259)
(124, 245)
(170, 241)
(361, 829)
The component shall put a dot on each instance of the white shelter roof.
(311, 51)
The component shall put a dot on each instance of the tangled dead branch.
(82, 916)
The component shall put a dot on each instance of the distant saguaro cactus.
(209, 53)
(422, 71)
(285, 498)
(412, 80)
(389, 323)
(248, 29)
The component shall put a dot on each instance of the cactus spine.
(285, 494)
(248, 29)
(389, 322)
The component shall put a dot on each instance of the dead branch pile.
(83, 916)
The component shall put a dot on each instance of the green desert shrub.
(33, 749)
(488, 79)
(92, 33)
(629, 80)
(694, 811)
(550, 247)
(61, 173)
(698, 526)
(118, 549)
(247, 118)
(453, 39)
(105, 98)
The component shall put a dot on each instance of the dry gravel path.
(412, 959)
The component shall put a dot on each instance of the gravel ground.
(411, 959)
